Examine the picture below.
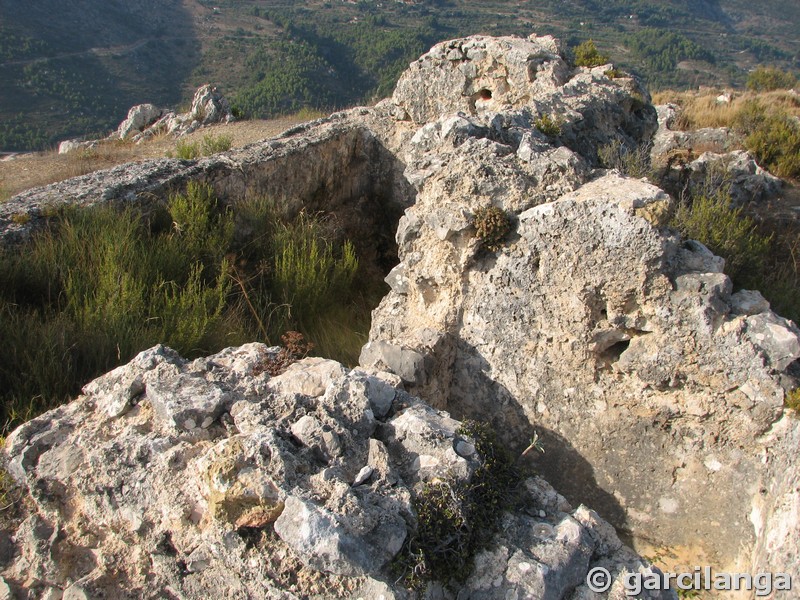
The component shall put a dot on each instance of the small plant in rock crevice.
(587, 55)
(492, 225)
(632, 162)
(295, 348)
(548, 125)
(456, 519)
(792, 400)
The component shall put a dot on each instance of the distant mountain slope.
(71, 68)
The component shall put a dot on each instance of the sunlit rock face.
(654, 389)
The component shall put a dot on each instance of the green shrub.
(587, 55)
(772, 136)
(792, 399)
(90, 293)
(492, 225)
(457, 519)
(187, 150)
(549, 126)
(308, 275)
(727, 232)
(200, 225)
(631, 162)
(767, 79)
(100, 285)
(212, 144)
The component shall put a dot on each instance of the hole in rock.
(613, 352)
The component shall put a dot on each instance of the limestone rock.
(655, 391)
(479, 73)
(747, 180)
(68, 146)
(749, 302)
(210, 106)
(669, 139)
(130, 506)
(139, 118)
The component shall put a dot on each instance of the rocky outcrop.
(210, 479)
(513, 82)
(616, 341)
(706, 159)
(209, 106)
(139, 118)
(669, 140)
(145, 121)
(347, 169)
(655, 390)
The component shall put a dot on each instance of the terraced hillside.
(73, 68)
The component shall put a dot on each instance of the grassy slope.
(72, 68)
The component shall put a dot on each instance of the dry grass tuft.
(701, 109)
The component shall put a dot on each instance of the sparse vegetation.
(190, 149)
(20, 218)
(100, 285)
(632, 162)
(456, 519)
(728, 232)
(772, 136)
(548, 125)
(768, 79)
(212, 144)
(757, 255)
(767, 124)
(492, 225)
(587, 55)
(187, 150)
(295, 347)
(792, 399)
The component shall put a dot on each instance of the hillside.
(74, 68)
(581, 345)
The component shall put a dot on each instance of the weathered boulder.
(77, 144)
(209, 106)
(140, 117)
(617, 341)
(669, 141)
(281, 480)
(524, 80)
(738, 171)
